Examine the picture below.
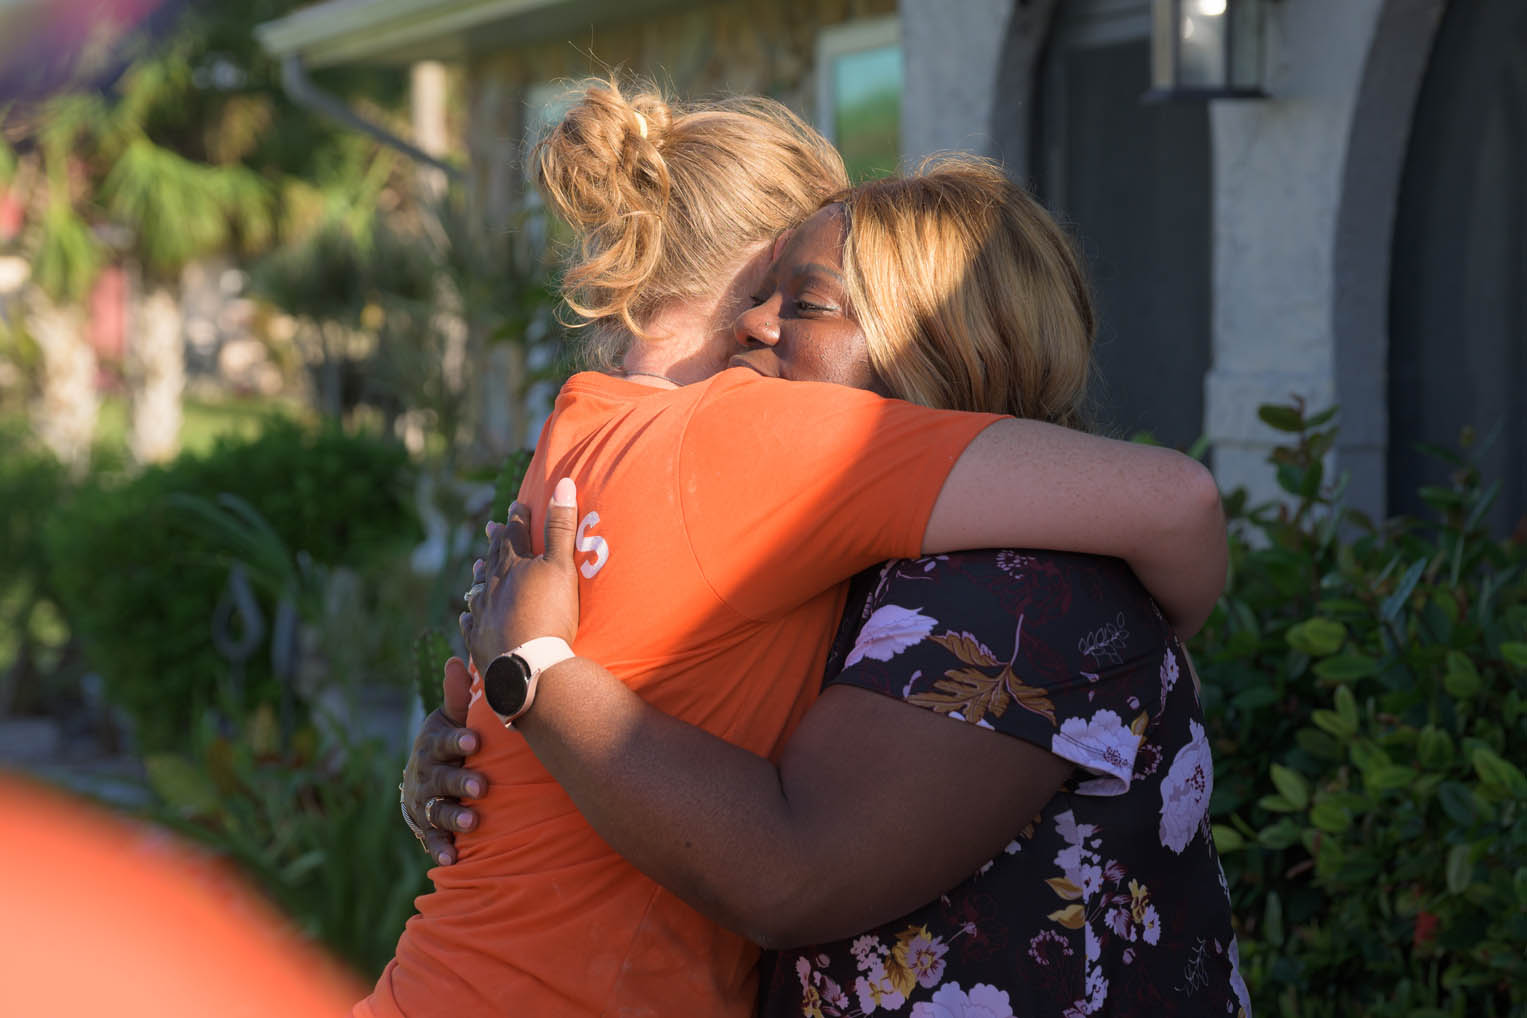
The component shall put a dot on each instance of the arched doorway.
(1458, 287)
(1133, 181)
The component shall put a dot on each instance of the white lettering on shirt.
(591, 543)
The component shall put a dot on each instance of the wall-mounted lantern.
(1206, 49)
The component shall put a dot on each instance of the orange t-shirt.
(719, 522)
(101, 916)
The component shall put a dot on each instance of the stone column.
(952, 57)
(1278, 187)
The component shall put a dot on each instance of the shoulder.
(1054, 593)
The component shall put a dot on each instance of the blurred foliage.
(141, 576)
(32, 484)
(1367, 691)
(315, 829)
(188, 150)
(432, 648)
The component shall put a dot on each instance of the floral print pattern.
(1112, 900)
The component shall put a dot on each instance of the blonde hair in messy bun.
(662, 197)
(970, 295)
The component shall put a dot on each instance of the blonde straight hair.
(661, 197)
(970, 295)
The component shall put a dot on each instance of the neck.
(684, 345)
(648, 378)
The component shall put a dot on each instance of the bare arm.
(1028, 484)
(798, 853)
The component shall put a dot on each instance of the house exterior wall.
(1303, 199)
(1305, 185)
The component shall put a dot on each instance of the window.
(859, 94)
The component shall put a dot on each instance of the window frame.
(842, 40)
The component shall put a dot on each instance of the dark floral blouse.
(1112, 900)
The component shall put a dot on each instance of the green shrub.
(318, 832)
(32, 484)
(140, 580)
(1367, 690)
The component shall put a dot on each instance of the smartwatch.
(509, 681)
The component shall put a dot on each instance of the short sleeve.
(789, 488)
(1064, 651)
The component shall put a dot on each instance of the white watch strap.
(543, 652)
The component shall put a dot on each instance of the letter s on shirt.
(586, 542)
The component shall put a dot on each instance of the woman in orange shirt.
(725, 511)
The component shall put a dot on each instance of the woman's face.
(800, 327)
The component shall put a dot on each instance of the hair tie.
(641, 124)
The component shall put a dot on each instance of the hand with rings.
(434, 781)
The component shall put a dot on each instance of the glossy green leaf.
(1390, 610)
(1347, 667)
(1277, 804)
(1390, 776)
(1330, 817)
(1272, 918)
(1460, 868)
(1317, 637)
(1334, 723)
(1227, 839)
(1281, 418)
(1461, 679)
(1346, 705)
(1514, 654)
(1498, 773)
(1281, 835)
(1291, 785)
(1434, 747)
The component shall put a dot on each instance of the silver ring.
(473, 591)
(429, 811)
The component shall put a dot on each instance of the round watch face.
(506, 683)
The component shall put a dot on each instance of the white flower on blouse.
(875, 990)
(1097, 990)
(949, 1001)
(1237, 983)
(1169, 674)
(1104, 745)
(888, 632)
(924, 957)
(865, 949)
(1185, 791)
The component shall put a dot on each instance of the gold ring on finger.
(429, 811)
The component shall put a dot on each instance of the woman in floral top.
(1111, 900)
(1024, 717)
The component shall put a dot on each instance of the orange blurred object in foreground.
(100, 916)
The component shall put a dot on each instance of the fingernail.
(565, 493)
(474, 789)
(443, 859)
(467, 743)
(466, 821)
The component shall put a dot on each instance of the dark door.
(1132, 179)
(1458, 292)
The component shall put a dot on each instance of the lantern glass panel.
(1204, 40)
